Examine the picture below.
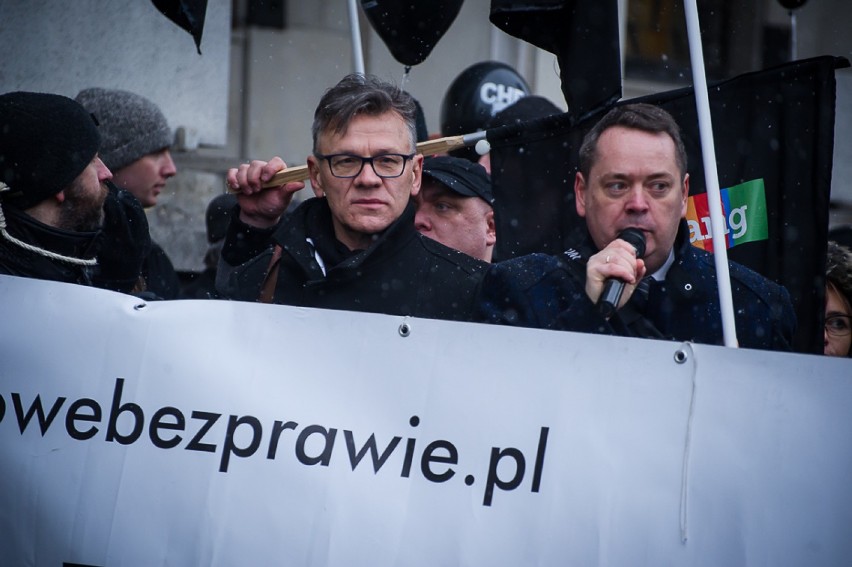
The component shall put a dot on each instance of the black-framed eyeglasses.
(838, 325)
(386, 166)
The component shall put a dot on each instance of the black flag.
(188, 14)
(774, 133)
(583, 34)
(411, 29)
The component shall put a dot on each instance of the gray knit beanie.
(131, 126)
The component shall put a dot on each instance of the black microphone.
(613, 287)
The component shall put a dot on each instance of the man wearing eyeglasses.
(354, 246)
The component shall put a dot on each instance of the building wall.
(63, 46)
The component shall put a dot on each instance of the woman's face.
(838, 338)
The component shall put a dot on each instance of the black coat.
(16, 260)
(549, 292)
(159, 273)
(401, 273)
(119, 246)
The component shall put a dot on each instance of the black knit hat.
(46, 141)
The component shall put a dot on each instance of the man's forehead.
(387, 124)
(618, 134)
(619, 145)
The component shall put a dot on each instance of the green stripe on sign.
(747, 217)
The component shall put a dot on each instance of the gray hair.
(358, 94)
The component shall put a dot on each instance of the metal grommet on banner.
(140, 306)
(404, 330)
(680, 356)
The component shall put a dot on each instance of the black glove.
(125, 242)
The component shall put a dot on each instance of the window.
(656, 44)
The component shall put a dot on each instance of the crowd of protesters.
(388, 230)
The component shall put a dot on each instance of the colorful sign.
(744, 207)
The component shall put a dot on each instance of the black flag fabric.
(583, 34)
(774, 140)
(532, 174)
(411, 29)
(188, 14)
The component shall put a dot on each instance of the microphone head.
(635, 238)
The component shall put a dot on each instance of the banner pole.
(711, 175)
(355, 33)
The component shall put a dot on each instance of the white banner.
(231, 434)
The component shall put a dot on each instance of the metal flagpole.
(711, 175)
(357, 50)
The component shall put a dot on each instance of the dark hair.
(358, 94)
(838, 270)
(638, 116)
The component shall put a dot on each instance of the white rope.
(41, 251)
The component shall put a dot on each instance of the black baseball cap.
(460, 175)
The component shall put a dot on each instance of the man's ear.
(313, 171)
(491, 230)
(685, 195)
(417, 173)
(60, 197)
(580, 194)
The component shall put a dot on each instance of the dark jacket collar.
(682, 244)
(83, 245)
(312, 219)
(20, 261)
(583, 247)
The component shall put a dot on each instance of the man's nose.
(422, 223)
(104, 174)
(637, 200)
(367, 175)
(168, 168)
